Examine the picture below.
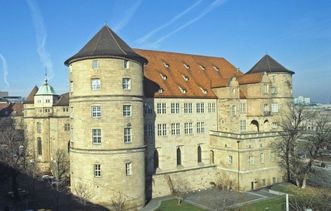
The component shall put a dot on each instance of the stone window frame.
(95, 84)
(126, 84)
(96, 136)
(127, 110)
(96, 111)
(200, 127)
(128, 168)
(97, 170)
(127, 135)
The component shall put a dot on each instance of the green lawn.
(171, 205)
(274, 204)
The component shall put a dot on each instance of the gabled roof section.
(106, 44)
(175, 75)
(30, 98)
(269, 65)
(11, 109)
(63, 100)
(251, 78)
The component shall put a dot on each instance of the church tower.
(107, 140)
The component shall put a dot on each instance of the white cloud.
(41, 37)
(5, 71)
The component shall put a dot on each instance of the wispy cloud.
(5, 71)
(41, 37)
(173, 20)
(127, 15)
(208, 9)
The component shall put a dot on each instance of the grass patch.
(170, 205)
(274, 204)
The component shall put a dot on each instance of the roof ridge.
(111, 34)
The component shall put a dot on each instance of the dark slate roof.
(63, 100)
(30, 97)
(106, 44)
(268, 64)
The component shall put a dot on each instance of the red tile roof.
(7, 109)
(169, 74)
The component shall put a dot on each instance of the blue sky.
(297, 33)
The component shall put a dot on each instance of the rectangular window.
(127, 135)
(266, 89)
(175, 128)
(209, 107)
(147, 109)
(96, 136)
(38, 127)
(200, 107)
(230, 159)
(126, 83)
(174, 108)
(126, 110)
(243, 108)
(243, 125)
(95, 84)
(262, 157)
(148, 130)
(65, 109)
(128, 169)
(161, 129)
(67, 127)
(213, 107)
(187, 108)
(233, 110)
(95, 64)
(39, 146)
(274, 108)
(126, 64)
(161, 108)
(188, 128)
(200, 127)
(48, 100)
(274, 90)
(96, 111)
(97, 170)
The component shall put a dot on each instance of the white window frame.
(274, 108)
(187, 108)
(174, 108)
(127, 135)
(188, 128)
(96, 111)
(230, 159)
(95, 64)
(96, 136)
(175, 128)
(200, 127)
(128, 168)
(243, 125)
(243, 108)
(126, 83)
(200, 107)
(127, 110)
(126, 64)
(97, 170)
(95, 84)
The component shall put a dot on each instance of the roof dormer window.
(161, 91)
(185, 77)
(182, 90)
(166, 65)
(164, 77)
(186, 66)
(216, 69)
(202, 67)
(204, 91)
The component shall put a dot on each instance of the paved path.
(155, 203)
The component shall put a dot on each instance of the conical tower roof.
(106, 44)
(269, 65)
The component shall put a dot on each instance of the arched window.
(212, 156)
(156, 159)
(179, 156)
(199, 154)
(256, 123)
(39, 146)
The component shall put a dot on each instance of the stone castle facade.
(140, 123)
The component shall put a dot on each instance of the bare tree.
(12, 151)
(299, 147)
(292, 125)
(119, 202)
(83, 193)
(60, 171)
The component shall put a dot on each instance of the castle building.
(141, 123)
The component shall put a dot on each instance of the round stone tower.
(107, 152)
